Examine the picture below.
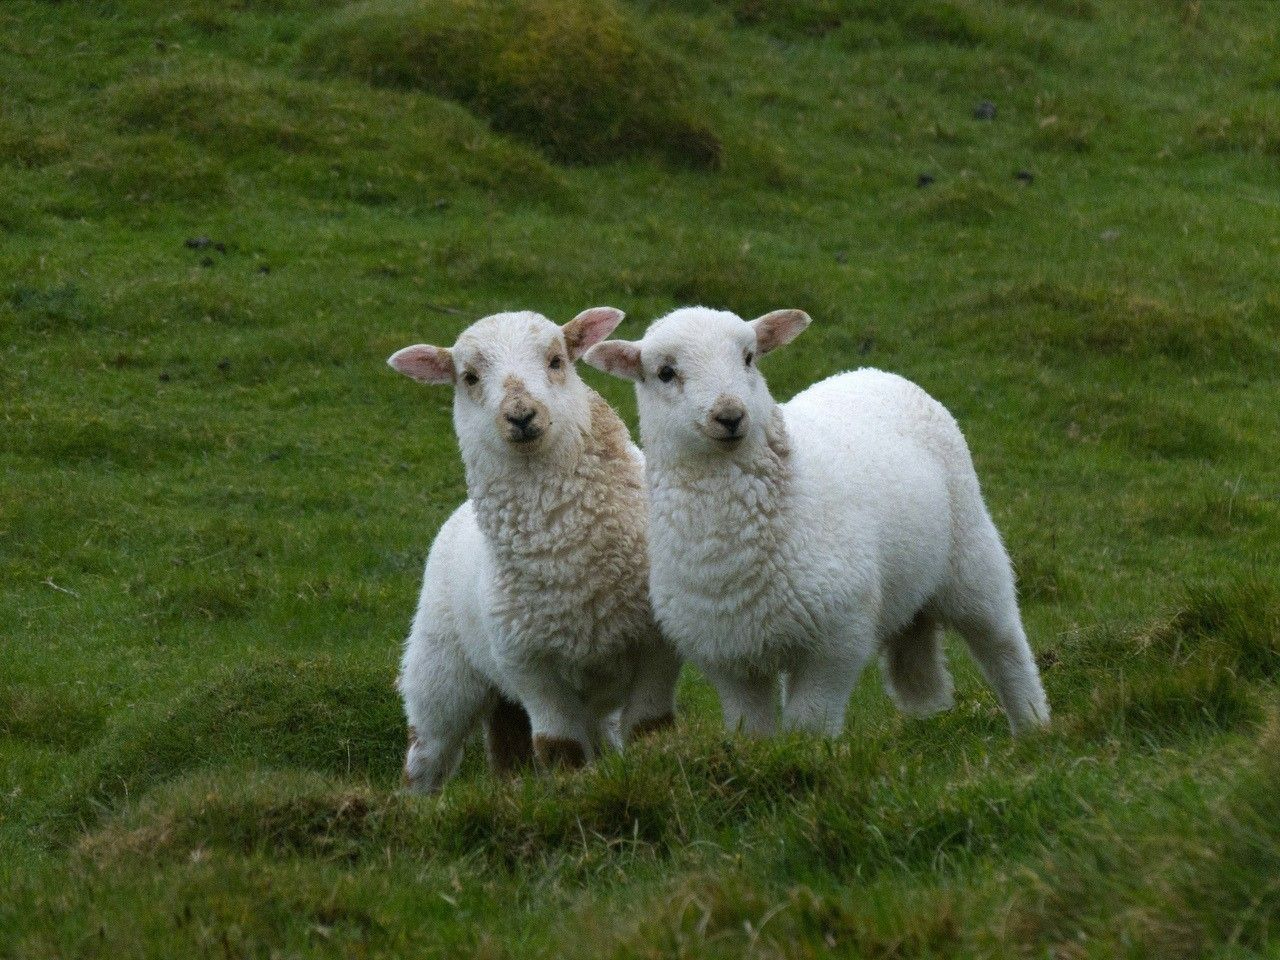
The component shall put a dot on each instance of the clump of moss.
(578, 78)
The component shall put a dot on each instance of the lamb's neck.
(723, 519)
(554, 507)
(528, 513)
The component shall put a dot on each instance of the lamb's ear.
(619, 357)
(588, 328)
(423, 363)
(779, 328)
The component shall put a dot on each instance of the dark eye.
(556, 362)
(750, 356)
(470, 378)
(666, 374)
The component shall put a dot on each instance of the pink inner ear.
(779, 328)
(423, 363)
(590, 327)
(618, 357)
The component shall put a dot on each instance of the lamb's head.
(697, 384)
(516, 392)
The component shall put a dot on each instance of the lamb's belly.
(714, 629)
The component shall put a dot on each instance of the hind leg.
(981, 603)
(915, 668)
(507, 736)
(443, 698)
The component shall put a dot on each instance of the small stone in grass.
(265, 268)
(925, 180)
(1106, 236)
(986, 110)
(198, 243)
(1024, 176)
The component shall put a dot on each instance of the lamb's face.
(697, 385)
(516, 391)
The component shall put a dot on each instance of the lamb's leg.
(508, 738)
(982, 604)
(749, 701)
(818, 689)
(443, 699)
(915, 670)
(563, 726)
(651, 702)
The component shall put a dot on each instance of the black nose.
(522, 423)
(730, 423)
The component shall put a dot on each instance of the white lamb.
(535, 593)
(799, 540)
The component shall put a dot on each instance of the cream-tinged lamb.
(534, 614)
(795, 541)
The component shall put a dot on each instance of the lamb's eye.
(470, 378)
(750, 356)
(666, 373)
(556, 362)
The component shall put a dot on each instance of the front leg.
(818, 690)
(562, 725)
(748, 699)
(651, 702)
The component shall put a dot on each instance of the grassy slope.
(214, 498)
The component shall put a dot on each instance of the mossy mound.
(303, 715)
(578, 78)
(1064, 323)
(396, 147)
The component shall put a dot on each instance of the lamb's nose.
(523, 421)
(729, 421)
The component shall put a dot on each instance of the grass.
(217, 220)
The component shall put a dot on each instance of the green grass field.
(215, 498)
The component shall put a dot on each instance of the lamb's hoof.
(643, 728)
(563, 752)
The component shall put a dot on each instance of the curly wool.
(568, 549)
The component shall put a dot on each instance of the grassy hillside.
(216, 221)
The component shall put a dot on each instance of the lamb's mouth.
(726, 440)
(522, 437)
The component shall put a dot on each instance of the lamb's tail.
(915, 669)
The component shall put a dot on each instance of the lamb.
(534, 614)
(792, 542)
